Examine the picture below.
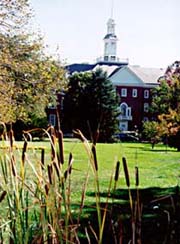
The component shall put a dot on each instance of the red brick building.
(133, 83)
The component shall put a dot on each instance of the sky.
(148, 31)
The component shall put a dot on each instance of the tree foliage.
(28, 77)
(91, 104)
(151, 132)
(166, 105)
(14, 15)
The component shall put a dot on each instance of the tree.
(14, 15)
(151, 133)
(29, 79)
(166, 104)
(91, 104)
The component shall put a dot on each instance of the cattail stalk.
(60, 143)
(94, 157)
(42, 158)
(126, 172)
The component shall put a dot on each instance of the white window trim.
(146, 93)
(134, 92)
(123, 92)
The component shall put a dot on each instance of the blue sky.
(148, 30)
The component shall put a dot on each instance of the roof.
(79, 67)
(109, 67)
(147, 75)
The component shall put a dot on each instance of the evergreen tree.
(91, 104)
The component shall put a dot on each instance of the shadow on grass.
(158, 150)
(159, 221)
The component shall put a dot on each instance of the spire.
(112, 9)
(110, 39)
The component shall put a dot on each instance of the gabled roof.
(147, 75)
(120, 73)
(136, 76)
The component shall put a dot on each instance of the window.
(146, 93)
(106, 58)
(123, 126)
(52, 119)
(129, 111)
(123, 109)
(113, 58)
(146, 107)
(123, 92)
(125, 112)
(134, 92)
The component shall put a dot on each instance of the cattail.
(137, 176)
(65, 174)
(68, 171)
(50, 171)
(3, 196)
(117, 171)
(60, 142)
(46, 189)
(24, 152)
(126, 171)
(42, 157)
(70, 162)
(94, 157)
(57, 169)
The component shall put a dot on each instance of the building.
(133, 83)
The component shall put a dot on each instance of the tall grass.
(37, 201)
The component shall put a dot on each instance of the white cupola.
(110, 42)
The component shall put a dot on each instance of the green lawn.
(159, 167)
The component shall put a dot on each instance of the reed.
(36, 194)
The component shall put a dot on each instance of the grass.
(157, 168)
(85, 192)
